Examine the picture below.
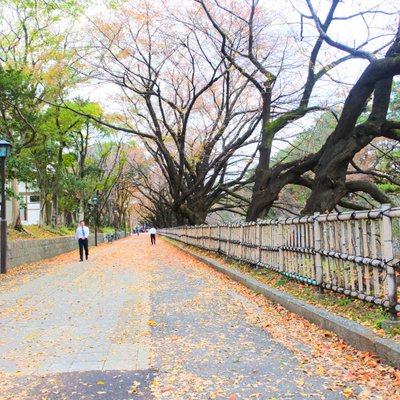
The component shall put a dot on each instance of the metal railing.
(350, 252)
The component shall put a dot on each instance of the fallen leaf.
(347, 393)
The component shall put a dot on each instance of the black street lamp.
(95, 202)
(5, 150)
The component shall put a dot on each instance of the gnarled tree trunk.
(348, 139)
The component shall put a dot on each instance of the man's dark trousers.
(83, 244)
(153, 238)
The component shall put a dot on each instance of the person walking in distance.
(82, 235)
(153, 232)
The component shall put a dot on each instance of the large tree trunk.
(42, 216)
(262, 199)
(47, 220)
(68, 218)
(330, 183)
(279, 176)
(81, 213)
(54, 210)
(16, 213)
(348, 139)
(259, 202)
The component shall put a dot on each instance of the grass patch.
(36, 232)
(66, 230)
(48, 232)
(108, 230)
(364, 313)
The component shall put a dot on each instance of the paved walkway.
(142, 321)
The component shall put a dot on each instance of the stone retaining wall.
(27, 251)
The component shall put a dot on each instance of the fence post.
(228, 243)
(259, 228)
(319, 272)
(387, 243)
(280, 244)
(241, 242)
(219, 238)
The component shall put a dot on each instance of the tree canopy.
(208, 108)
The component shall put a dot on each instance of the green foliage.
(53, 147)
(389, 187)
(115, 4)
(41, 9)
(18, 107)
(394, 109)
(281, 282)
(108, 229)
(385, 316)
(387, 151)
(64, 167)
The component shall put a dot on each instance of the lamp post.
(116, 223)
(132, 204)
(5, 149)
(95, 202)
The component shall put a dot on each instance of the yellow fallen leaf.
(320, 371)
(349, 358)
(100, 383)
(152, 322)
(347, 393)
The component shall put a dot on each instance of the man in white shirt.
(153, 232)
(82, 235)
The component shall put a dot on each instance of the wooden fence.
(350, 253)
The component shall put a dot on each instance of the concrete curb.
(360, 337)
